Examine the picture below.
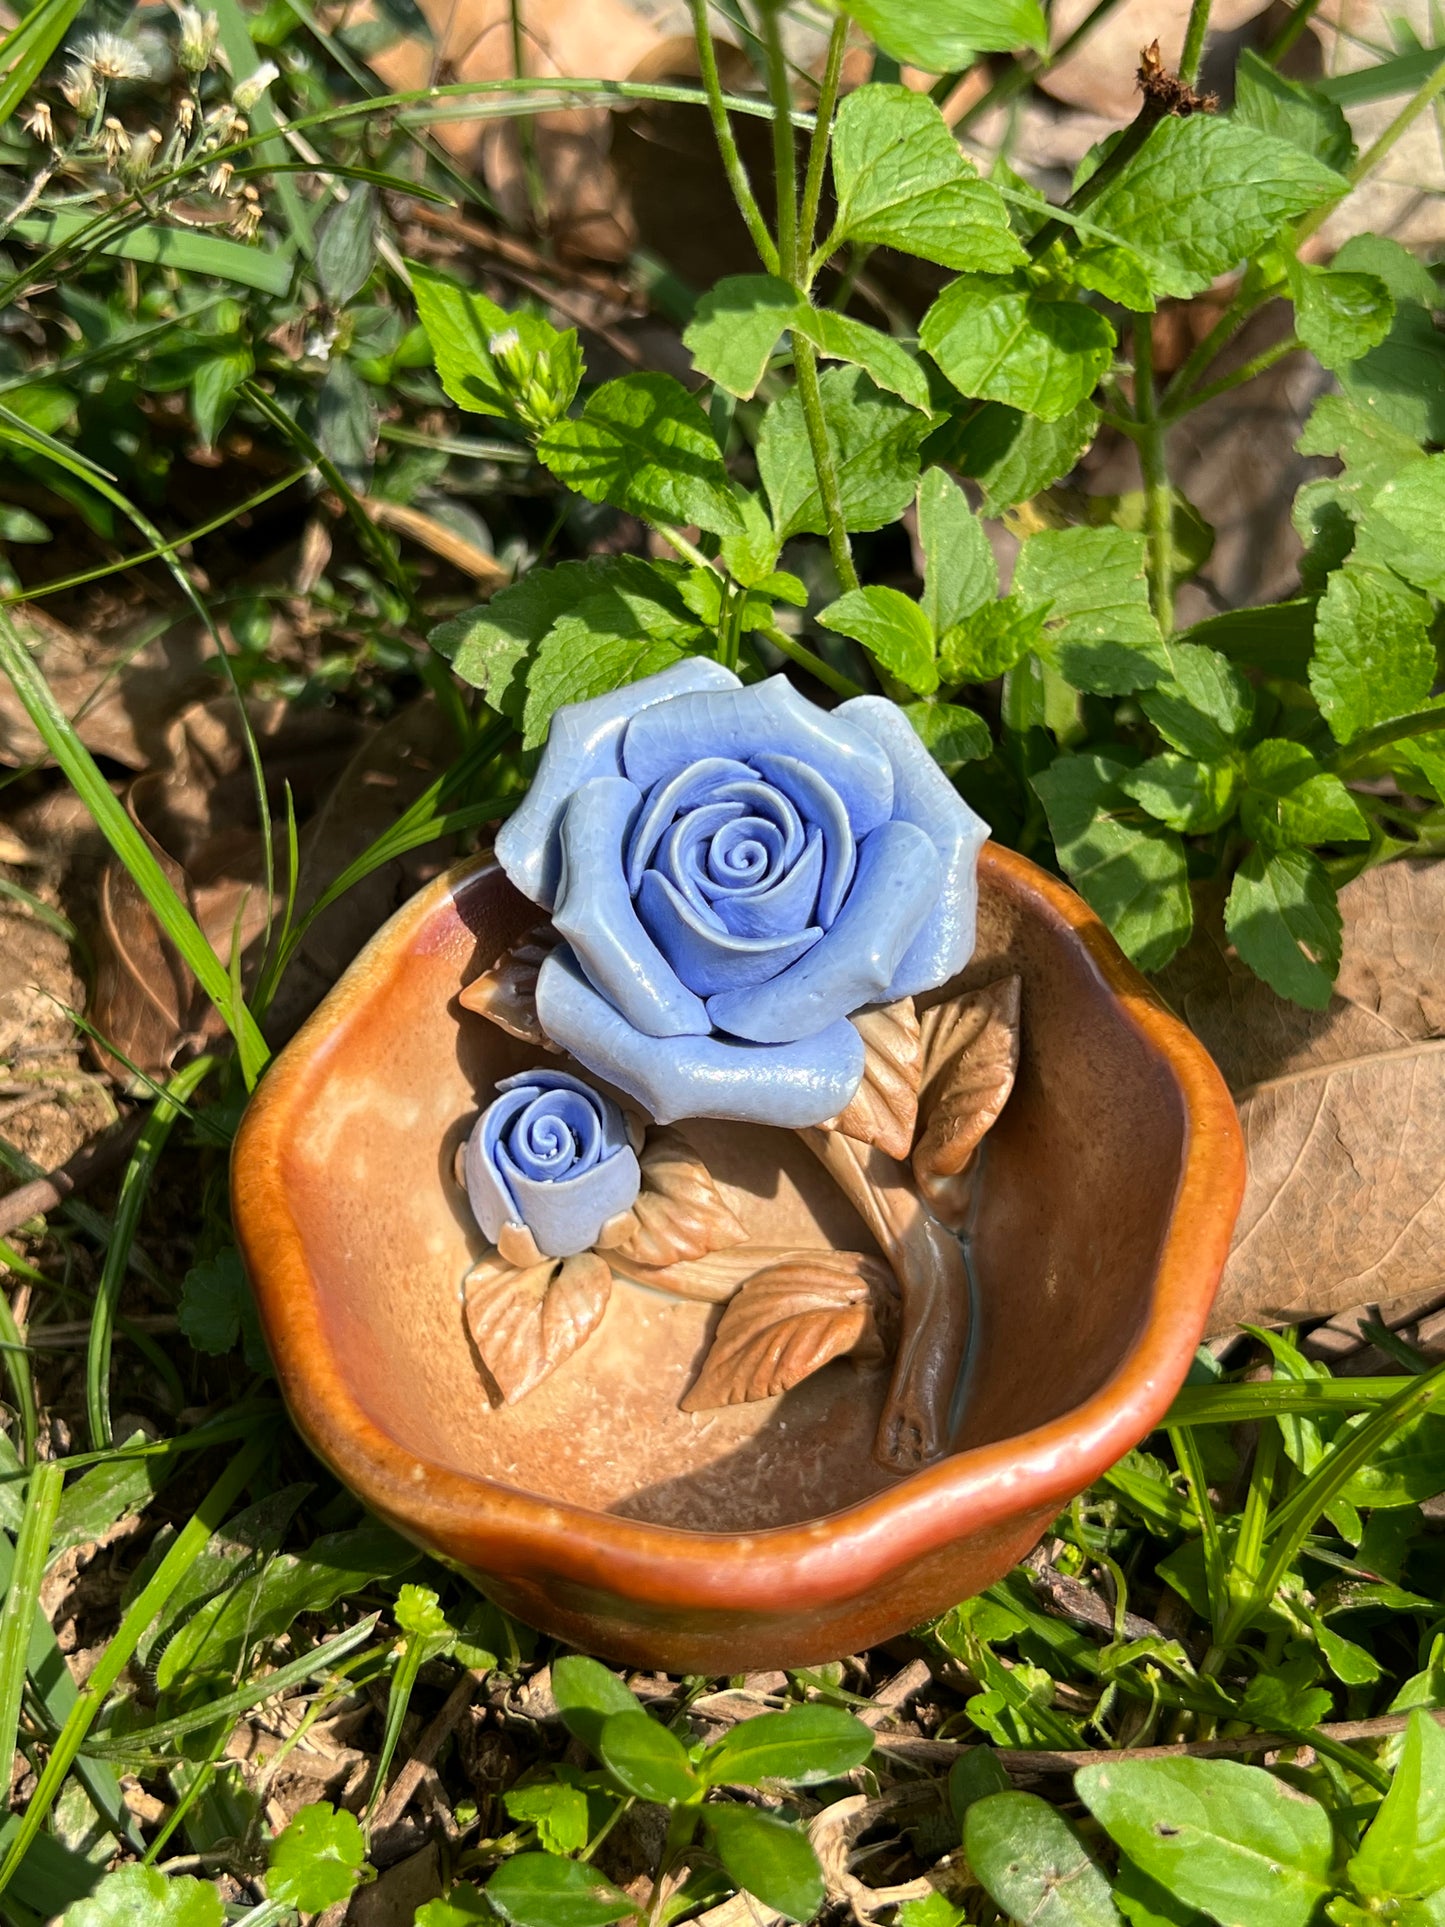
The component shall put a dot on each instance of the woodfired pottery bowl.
(762, 1535)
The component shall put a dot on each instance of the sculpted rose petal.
(790, 1085)
(819, 804)
(585, 740)
(596, 914)
(786, 906)
(549, 1157)
(924, 796)
(697, 784)
(768, 717)
(566, 1216)
(897, 885)
(708, 958)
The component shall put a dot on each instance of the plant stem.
(1194, 36)
(785, 152)
(1424, 722)
(727, 147)
(1159, 497)
(526, 132)
(822, 129)
(1128, 145)
(1248, 297)
(810, 393)
(1019, 74)
(804, 657)
(1267, 357)
(1290, 32)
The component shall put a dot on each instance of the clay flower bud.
(552, 1155)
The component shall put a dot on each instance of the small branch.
(727, 147)
(1194, 36)
(1290, 32)
(822, 132)
(1018, 74)
(429, 1744)
(785, 152)
(1424, 722)
(1186, 404)
(92, 1161)
(804, 657)
(810, 393)
(1153, 465)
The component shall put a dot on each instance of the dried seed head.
(199, 34)
(111, 59)
(80, 89)
(113, 140)
(218, 181)
(39, 125)
(135, 164)
(247, 92)
(247, 218)
(185, 114)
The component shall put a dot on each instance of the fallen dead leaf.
(1343, 1109)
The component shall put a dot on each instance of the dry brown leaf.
(970, 1058)
(507, 992)
(679, 1213)
(524, 1324)
(788, 1321)
(884, 1108)
(1343, 1109)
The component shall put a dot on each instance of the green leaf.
(346, 246)
(999, 340)
(992, 640)
(1283, 919)
(217, 1310)
(644, 445)
(418, 1611)
(1276, 638)
(1133, 873)
(648, 1760)
(1099, 631)
(462, 1906)
(752, 556)
(874, 438)
(181, 249)
(767, 1858)
(937, 1910)
(1402, 382)
(903, 182)
(1373, 655)
(1204, 707)
(952, 734)
(1403, 1853)
(1403, 273)
(1012, 455)
(1340, 315)
(214, 386)
(1203, 194)
(587, 1694)
(838, 337)
(894, 631)
(1289, 798)
(801, 1746)
(635, 625)
(346, 423)
(1230, 1839)
(559, 1813)
(540, 1890)
(1032, 1864)
(1291, 111)
(939, 35)
(1144, 1903)
(28, 46)
(318, 1860)
(469, 333)
(137, 1896)
(1116, 274)
(1413, 504)
(960, 572)
(1189, 796)
(736, 327)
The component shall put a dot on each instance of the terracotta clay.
(762, 1534)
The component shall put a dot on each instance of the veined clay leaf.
(894, 631)
(525, 1323)
(939, 35)
(998, 340)
(643, 444)
(679, 1213)
(788, 1321)
(874, 437)
(1099, 630)
(884, 1108)
(970, 1060)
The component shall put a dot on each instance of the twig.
(409, 1779)
(518, 254)
(91, 1161)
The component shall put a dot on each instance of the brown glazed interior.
(765, 1534)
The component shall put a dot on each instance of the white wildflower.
(247, 92)
(504, 343)
(112, 59)
(199, 34)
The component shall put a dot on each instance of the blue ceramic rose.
(551, 1154)
(735, 872)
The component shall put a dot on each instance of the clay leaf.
(970, 1059)
(507, 992)
(525, 1323)
(884, 1108)
(1343, 1109)
(679, 1213)
(789, 1320)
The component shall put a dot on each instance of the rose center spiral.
(557, 1135)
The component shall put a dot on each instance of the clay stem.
(927, 1261)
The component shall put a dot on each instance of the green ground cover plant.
(1213, 1695)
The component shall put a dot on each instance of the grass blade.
(17, 1369)
(17, 1615)
(28, 46)
(169, 247)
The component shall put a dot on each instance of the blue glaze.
(790, 1085)
(738, 872)
(552, 1154)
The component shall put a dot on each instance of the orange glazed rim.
(490, 1525)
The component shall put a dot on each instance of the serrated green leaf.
(999, 340)
(1011, 455)
(418, 1611)
(736, 327)
(464, 328)
(462, 1906)
(838, 337)
(647, 1759)
(1099, 630)
(874, 437)
(1371, 449)
(767, 1858)
(992, 640)
(902, 182)
(317, 1860)
(752, 556)
(217, 1310)
(587, 1694)
(1403, 273)
(1403, 1853)
(643, 444)
(559, 1813)
(960, 572)
(1276, 638)
(939, 35)
(636, 625)
(1033, 1865)
(894, 631)
(137, 1896)
(1204, 705)
(1340, 314)
(541, 1890)
(952, 734)
(1115, 273)
(1289, 798)
(346, 245)
(1412, 503)
(1203, 194)
(1284, 920)
(1133, 873)
(1292, 111)
(1373, 655)
(1189, 796)
(1231, 1839)
(1402, 382)
(802, 1746)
